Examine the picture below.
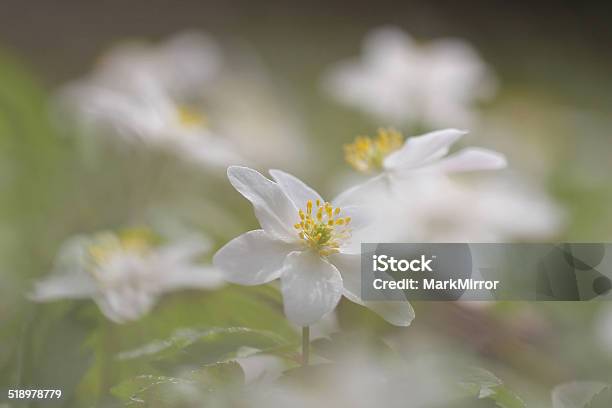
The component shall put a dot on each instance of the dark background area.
(61, 38)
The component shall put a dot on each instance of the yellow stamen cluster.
(136, 240)
(366, 154)
(189, 117)
(322, 228)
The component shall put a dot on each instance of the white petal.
(196, 277)
(252, 258)
(125, 304)
(360, 192)
(324, 327)
(134, 116)
(382, 82)
(205, 148)
(72, 257)
(349, 266)
(261, 368)
(63, 286)
(184, 249)
(178, 269)
(275, 211)
(186, 60)
(513, 209)
(295, 188)
(398, 313)
(359, 216)
(575, 394)
(68, 279)
(421, 150)
(388, 43)
(470, 159)
(311, 287)
(181, 64)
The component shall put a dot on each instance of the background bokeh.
(550, 116)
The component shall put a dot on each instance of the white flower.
(413, 198)
(182, 95)
(151, 117)
(305, 242)
(393, 160)
(431, 207)
(125, 273)
(250, 109)
(325, 327)
(177, 65)
(402, 82)
(576, 394)
(259, 368)
(361, 381)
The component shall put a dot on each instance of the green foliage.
(151, 390)
(226, 321)
(191, 347)
(485, 385)
(28, 153)
(341, 346)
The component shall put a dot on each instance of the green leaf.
(192, 328)
(485, 385)
(257, 308)
(190, 347)
(480, 382)
(504, 398)
(132, 390)
(341, 345)
(172, 391)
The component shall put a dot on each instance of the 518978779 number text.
(34, 394)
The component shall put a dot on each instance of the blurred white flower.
(402, 82)
(414, 198)
(125, 273)
(259, 368)
(176, 65)
(577, 394)
(305, 242)
(432, 207)
(364, 382)
(247, 108)
(395, 160)
(325, 327)
(183, 95)
(149, 116)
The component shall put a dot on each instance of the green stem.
(305, 345)
(107, 353)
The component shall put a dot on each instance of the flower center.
(366, 154)
(190, 117)
(323, 228)
(107, 245)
